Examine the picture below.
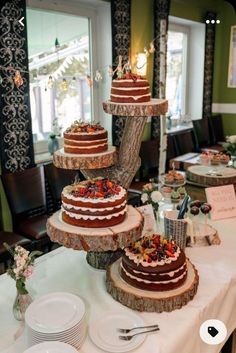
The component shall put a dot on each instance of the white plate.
(51, 347)
(55, 312)
(104, 334)
(75, 331)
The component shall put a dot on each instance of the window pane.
(59, 63)
(176, 71)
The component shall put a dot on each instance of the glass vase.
(21, 303)
(53, 145)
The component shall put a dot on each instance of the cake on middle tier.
(85, 138)
(154, 263)
(130, 90)
(94, 203)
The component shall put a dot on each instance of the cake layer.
(155, 276)
(140, 82)
(95, 222)
(86, 136)
(79, 143)
(93, 211)
(130, 99)
(153, 286)
(86, 150)
(139, 91)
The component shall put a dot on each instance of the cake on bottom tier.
(154, 264)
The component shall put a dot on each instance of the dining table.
(66, 270)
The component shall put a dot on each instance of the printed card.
(223, 201)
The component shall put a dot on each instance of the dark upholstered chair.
(149, 154)
(57, 179)
(205, 136)
(25, 192)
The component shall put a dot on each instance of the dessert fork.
(127, 330)
(128, 338)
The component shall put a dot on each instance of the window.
(185, 67)
(65, 48)
(176, 69)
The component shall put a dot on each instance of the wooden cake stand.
(199, 175)
(98, 242)
(87, 161)
(151, 301)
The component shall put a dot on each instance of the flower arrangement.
(22, 267)
(230, 144)
(151, 195)
(56, 129)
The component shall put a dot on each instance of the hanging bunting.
(50, 82)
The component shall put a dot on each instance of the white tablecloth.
(67, 270)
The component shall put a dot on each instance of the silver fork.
(128, 338)
(127, 330)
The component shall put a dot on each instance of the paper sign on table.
(223, 201)
(149, 219)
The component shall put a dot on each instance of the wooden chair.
(25, 193)
(186, 142)
(57, 179)
(216, 129)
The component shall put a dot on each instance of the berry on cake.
(154, 263)
(85, 138)
(94, 203)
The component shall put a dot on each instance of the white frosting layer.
(131, 88)
(130, 80)
(85, 147)
(175, 280)
(86, 217)
(170, 274)
(133, 97)
(92, 209)
(136, 260)
(78, 142)
(111, 199)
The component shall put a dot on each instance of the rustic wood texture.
(198, 174)
(128, 158)
(151, 301)
(101, 260)
(88, 161)
(96, 239)
(152, 108)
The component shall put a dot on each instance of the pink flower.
(28, 272)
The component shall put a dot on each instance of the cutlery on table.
(127, 330)
(128, 338)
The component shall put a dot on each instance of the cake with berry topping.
(130, 89)
(94, 203)
(154, 263)
(84, 138)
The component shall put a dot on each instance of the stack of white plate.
(56, 316)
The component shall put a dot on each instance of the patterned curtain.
(208, 65)
(16, 142)
(161, 12)
(120, 14)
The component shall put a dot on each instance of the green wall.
(142, 34)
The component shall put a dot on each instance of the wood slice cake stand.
(198, 174)
(101, 242)
(203, 235)
(151, 301)
(88, 161)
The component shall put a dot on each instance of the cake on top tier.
(85, 138)
(130, 89)
(154, 263)
(94, 203)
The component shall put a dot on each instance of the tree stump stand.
(151, 301)
(199, 174)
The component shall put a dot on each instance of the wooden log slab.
(151, 301)
(87, 161)
(203, 235)
(199, 175)
(96, 239)
(153, 108)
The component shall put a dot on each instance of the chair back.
(57, 179)
(25, 192)
(201, 128)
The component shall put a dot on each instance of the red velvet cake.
(130, 89)
(84, 138)
(94, 203)
(154, 263)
